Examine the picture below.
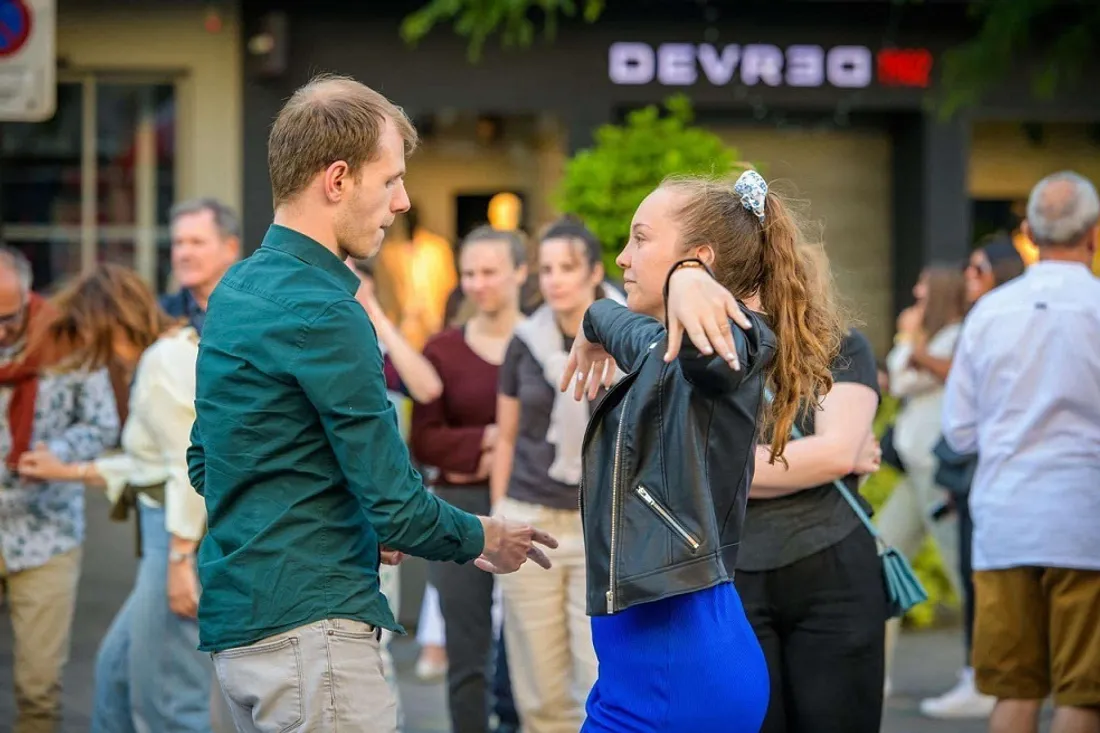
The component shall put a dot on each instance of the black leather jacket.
(668, 461)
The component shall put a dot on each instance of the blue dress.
(686, 664)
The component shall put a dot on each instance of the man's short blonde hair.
(329, 119)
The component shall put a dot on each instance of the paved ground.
(927, 661)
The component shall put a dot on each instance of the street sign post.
(28, 60)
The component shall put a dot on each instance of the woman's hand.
(910, 320)
(699, 305)
(589, 366)
(869, 459)
(183, 588)
(41, 465)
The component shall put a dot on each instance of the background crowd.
(488, 424)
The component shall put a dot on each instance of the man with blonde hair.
(295, 444)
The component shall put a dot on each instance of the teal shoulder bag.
(903, 588)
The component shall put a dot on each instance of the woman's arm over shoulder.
(626, 335)
(755, 350)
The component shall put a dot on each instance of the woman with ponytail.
(808, 572)
(669, 453)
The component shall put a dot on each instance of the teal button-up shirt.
(296, 449)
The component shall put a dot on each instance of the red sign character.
(905, 67)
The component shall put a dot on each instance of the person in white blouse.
(150, 675)
(929, 327)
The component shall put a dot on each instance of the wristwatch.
(178, 557)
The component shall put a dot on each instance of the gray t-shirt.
(521, 378)
(782, 531)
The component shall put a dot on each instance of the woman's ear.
(705, 253)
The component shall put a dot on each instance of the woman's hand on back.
(701, 307)
(589, 367)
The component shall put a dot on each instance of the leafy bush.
(604, 184)
(927, 564)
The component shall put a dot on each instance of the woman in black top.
(535, 479)
(808, 572)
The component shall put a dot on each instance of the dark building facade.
(831, 98)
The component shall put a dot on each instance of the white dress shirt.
(1024, 393)
(158, 432)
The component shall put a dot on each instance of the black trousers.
(822, 625)
(466, 602)
(966, 570)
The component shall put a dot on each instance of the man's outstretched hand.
(509, 544)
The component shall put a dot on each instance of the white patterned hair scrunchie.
(753, 190)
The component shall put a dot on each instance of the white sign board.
(28, 60)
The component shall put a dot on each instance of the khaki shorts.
(1037, 632)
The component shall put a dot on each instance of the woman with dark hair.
(669, 453)
(918, 507)
(149, 674)
(995, 262)
(457, 434)
(535, 478)
(992, 264)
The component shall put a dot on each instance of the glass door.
(95, 183)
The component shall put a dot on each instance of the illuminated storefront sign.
(846, 67)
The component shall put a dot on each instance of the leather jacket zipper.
(615, 504)
(673, 523)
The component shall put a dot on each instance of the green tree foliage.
(604, 184)
(1059, 34)
(477, 20)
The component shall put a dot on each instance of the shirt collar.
(1061, 267)
(311, 252)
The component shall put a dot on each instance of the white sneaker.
(962, 701)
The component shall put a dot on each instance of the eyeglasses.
(9, 320)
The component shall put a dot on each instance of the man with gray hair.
(1024, 394)
(206, 241)
(74, 415)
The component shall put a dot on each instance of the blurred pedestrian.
(457, 434)
(206, 241)
(536, 476)
(927, 332)
(995, 262)
(149, 674)
(1024, 394)
(73, 413)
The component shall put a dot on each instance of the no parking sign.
(28, 65)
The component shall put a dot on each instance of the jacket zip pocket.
(673, 523)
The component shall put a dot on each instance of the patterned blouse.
(76, 417)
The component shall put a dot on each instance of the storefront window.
(94, 183)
